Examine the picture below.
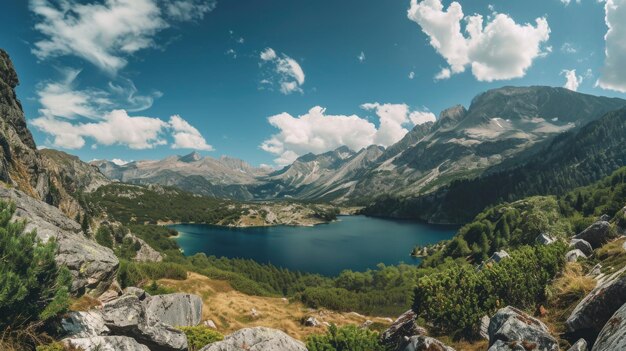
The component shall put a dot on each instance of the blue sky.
(359, 72)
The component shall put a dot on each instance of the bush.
(200, 336)
(32, 287)
(455, 299)
(348, 338)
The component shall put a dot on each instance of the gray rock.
(106, 343)
(545, 239)
(581, 245)
(311, 322)
(596, 270)
(397, 335)
(484, 327)
(513, 327)
(93, 266)
(495, 258)
(140, 293)
(613, 335)
(145, 253)
(257, 339)
(596, 234)
(366, 324)
(179, 310)
(425, 343)
(592, 313)
(127, 316)
(510, 346)
(605, 217)
(574, 255)
(210, 324)
(84, 324)
(580, 345)
(108, 296)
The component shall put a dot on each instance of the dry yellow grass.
(565, 293)
(232, 310)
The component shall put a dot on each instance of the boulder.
(127, 316)
(545, 239)
(580, 345)
(510, 327)
(397, 335)
(257, 339)
(605, 217)
(105, 343)
(109, 296)
(595, 271)
(592, 313)
(145, 253)
(581, 245)
(84, 324)
(499, 256)
(596, 234)
(178, 310)
(425, 343)
(93, 267)
(574, 255)
(613, 335)
(210, 324)
(484, 327)
(311, 322)
(140, 293)
(366, 324)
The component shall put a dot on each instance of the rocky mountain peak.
(451, 116)
(191, 157)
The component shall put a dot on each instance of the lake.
(352, 242)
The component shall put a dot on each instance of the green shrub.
(455, 299)
(32, 286)
(348, 338)
(56, 346)
(200, 336)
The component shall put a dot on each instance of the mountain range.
(501, 130)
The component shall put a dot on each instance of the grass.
(612, 256)
(84, 303)
(231, 310)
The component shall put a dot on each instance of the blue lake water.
(352, 242)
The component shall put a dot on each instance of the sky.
(268, 81)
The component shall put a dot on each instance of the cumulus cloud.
(106, 33)
(569, 48)
(361, 57)
(501, 49)
(411, 75)
(70, 116)
(572, 80)
(567, 2)
(318, 132)
(285, 72)
(613, 75)
(136, 132)
(187, 136)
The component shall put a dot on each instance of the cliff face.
(24, 167)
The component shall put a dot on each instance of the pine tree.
(32, 286)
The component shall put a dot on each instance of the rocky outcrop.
(128, 316)
(574, 255)
(510, 328)
(106, 343)
(581, 245)
(93, 266)
(179, 310)
(145, 253)
(397, 335)
(613, 335)
(84, 324)
(580, 345)
(425, 343)
(545, 239)
(597, 234)
(257, 339)
(592, 313)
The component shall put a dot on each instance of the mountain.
(570, 160)
(223, 177)
(51, 176)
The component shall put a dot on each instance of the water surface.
(352, 242)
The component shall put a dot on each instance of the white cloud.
(106, 33)
(361, 57)
(189, 10)
(187, 136)
(613, 75)
(569, 48)
(411, 75)
(318, 132)
(572, 80)
(63, 99)
(232, 53)
(116, 128)
(498, 50)
(567, 2)
(421, 117)
(285, 72)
